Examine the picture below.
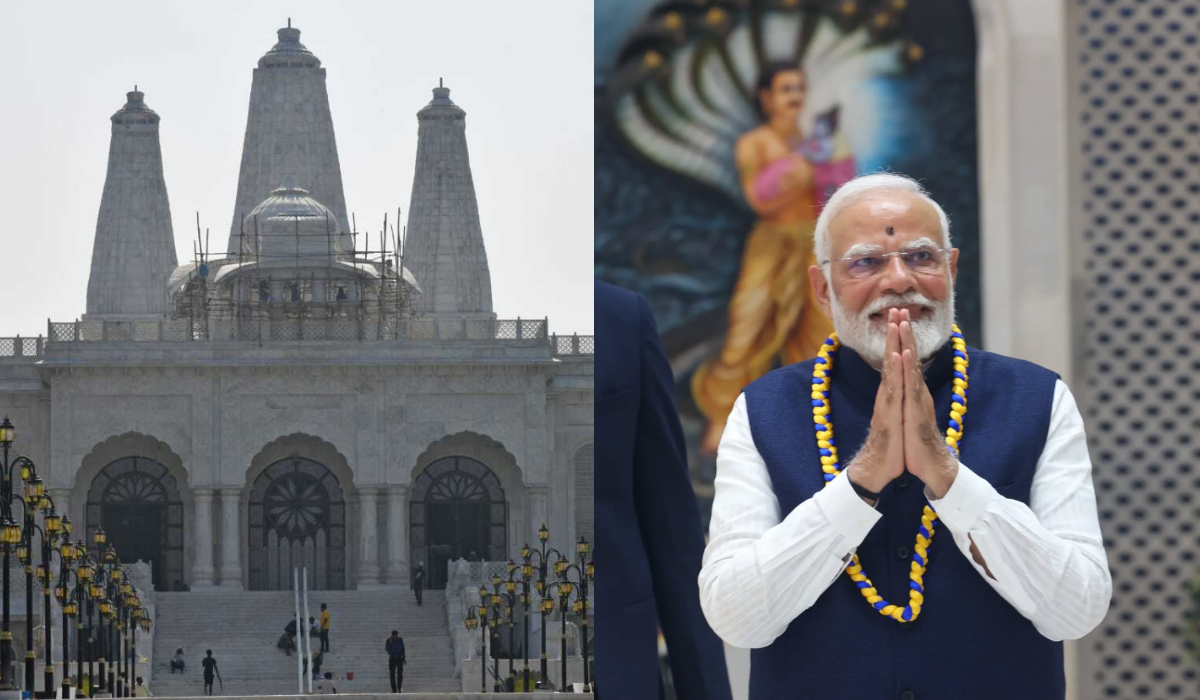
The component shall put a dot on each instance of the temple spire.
(134, 249)
(289, 134)
(445, 242)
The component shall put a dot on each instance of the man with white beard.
(812, 560)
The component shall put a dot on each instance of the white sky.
(519, 70)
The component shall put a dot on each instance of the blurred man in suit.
(648, 529)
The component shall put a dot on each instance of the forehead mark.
(890, 231)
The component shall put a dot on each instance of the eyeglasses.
(923, 261)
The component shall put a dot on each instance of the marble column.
(231, 541)
(368, 560)
(397, 536)
(202, 521)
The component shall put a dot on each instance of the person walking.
(210, 670)
(326, 623)
(395, 652)
(419, 581)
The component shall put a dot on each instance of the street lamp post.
(587, 573)
(52, 527)
(10, 537)
(48, 531)
(510, 598)
(97, 592)
(135, 606)
(105, 574)
(143, 623)
(526, 577)
(542, 553)
(116, 578)
(477, 617)
(84, 572)
(34, 498)
(129, 601)
(502, 611)
(25, 557)
(493, 621)
(565, 589)
(62, 593)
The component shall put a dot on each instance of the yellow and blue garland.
(822, 422)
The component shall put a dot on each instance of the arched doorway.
(458, 510)
(297, 517)
(136, 500)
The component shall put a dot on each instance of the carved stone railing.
(574, 344)
(22, 347)
(182, 330)
(344, 328)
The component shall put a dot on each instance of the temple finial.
(289, 22)
(440, 82)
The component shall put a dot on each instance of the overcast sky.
(519, 70)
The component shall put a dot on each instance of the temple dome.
(289, 227)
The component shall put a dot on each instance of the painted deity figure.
(786, 177)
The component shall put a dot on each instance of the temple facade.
(301, 397)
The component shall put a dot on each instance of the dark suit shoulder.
(616, 305)
(787, 378)
(1011, 366)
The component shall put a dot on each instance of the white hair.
(866, 187)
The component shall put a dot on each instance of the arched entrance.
(458, 510)
(297, 517)
(136, 500)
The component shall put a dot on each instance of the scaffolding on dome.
(311, 291)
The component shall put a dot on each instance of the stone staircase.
(242, 629)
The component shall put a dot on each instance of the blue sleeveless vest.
(968, 641)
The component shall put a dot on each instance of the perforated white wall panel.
(1135, 89)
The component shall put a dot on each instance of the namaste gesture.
(904, 432)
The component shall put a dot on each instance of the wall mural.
(721, 129)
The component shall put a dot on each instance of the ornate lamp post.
(526, 577)
(85, 572)
(52, 527)
(65, 595)
(126, 602)
(10, 537)
(50, 547)
(477, 617)
(493, 623)
(509, 598)
(31, 500)
(543, 562)
(107, 573)
(135, 605)
(586, 569)
(138, 619)
(502, 609)
(117, 580)
(493, 619)
(142, 623)
(564, 589)
(108, 611)
(96, 593)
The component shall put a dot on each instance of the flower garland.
(822, 422)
